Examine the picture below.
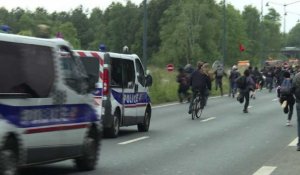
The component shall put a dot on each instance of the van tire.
(90, 152)
(9, 158)
(144, 127)
(113, 131)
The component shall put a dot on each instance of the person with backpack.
(245, 84)
(286, 97)
(219, 73)
(296, 92)
(234, 74)
(183, 80)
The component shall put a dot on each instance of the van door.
(122, 85)
(130, 90)
(141, 91)
(77, 102)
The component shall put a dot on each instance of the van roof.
(32, 40)
(112, 54)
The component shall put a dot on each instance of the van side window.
(91, 65)
(140, 71)
(75, 74)
(122, 73)
(129, 74)
(26, 69)
(116, 72)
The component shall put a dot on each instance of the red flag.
(242, 48)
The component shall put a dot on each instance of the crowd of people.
(285, 79)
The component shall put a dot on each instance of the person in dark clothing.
(269, 74)
(296, 92)
(200, 82)
(183, 80)
(219, 73)
(287, 99)
(246, 84)
(234, 74)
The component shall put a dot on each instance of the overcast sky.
(66, 5)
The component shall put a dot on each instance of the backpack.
(286, 86)
(241, 82)
(220, 72)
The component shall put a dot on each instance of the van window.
(122, 73)
(116, 72)
(91, 65)
(129, 74)
(26, 69)
(75, 74)
(140, 71)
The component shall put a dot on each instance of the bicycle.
(197, 106)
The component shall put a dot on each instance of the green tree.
(272, 36)
(188, 33)
(293, 37)
(70, 34)
(251, 18)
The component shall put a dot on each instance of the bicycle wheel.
(199, 109)
(196, 108)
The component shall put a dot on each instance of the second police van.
(125, 90)
(47, 112)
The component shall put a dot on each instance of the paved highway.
(225, 141)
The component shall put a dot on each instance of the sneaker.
(288, 123)
(298, 148)
(245, 111)
(284, 103)
(190, 111)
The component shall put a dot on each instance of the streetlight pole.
(145, 35)
(284, 12)
(224, 33)
(262, 30)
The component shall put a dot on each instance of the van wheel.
(113, 131)
(144, 127)
(90, 152)
(9, 158)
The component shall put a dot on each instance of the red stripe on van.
(82, 54)
(55, 128)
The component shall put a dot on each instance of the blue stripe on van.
(98, 92)
(131, 98)
(47, 115)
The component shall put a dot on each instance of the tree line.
(179, 31)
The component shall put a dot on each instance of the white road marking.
(208, 119)
(294, 142)
(265, 170)
(166, 105)
(133, 140)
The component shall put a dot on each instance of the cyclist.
(200, 82)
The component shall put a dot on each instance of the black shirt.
(200, 81)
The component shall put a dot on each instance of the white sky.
(66, 5)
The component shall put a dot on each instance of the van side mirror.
(148, 80)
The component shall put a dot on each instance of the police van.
(126, 100)
(47, 112)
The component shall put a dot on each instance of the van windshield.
(25, 69)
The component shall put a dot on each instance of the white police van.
(125, 91)
(47, 112)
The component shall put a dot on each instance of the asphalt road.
(225, 141)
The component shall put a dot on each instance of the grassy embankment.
(164, 87)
